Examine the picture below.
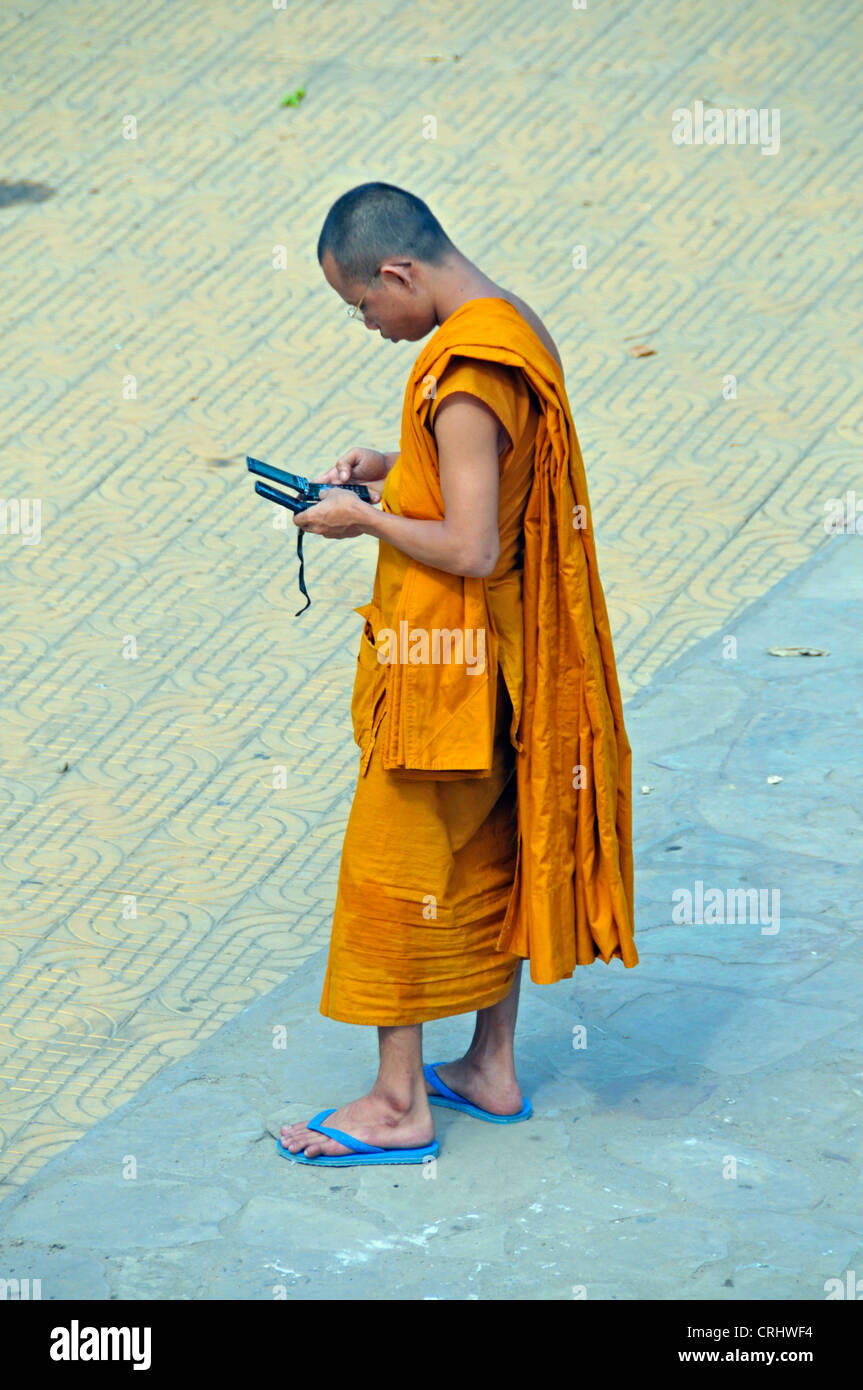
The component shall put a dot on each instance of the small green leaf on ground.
(294, 98)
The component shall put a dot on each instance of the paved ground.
(154, 677)
(704, 1143)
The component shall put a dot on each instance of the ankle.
(491, 1058)
(400, 1101)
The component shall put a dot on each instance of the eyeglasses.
(354, 310)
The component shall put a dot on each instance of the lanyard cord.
(310, 495)
(303, 590)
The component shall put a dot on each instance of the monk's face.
(397, 304)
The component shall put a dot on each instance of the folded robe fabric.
(573, 895)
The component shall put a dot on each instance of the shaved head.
(376, 222)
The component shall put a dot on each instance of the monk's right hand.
(357, 466)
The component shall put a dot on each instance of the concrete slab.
(704, 1143)
(164, 315)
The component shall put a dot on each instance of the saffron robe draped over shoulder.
(549, 669)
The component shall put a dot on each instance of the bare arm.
(466, 542)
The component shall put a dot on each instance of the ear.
(403, 271)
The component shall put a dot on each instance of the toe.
(312, 1144)
(299, 1139)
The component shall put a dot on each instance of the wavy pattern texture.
(152, 258)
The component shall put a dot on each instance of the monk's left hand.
(340, 514)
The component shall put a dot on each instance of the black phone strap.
(303, 590)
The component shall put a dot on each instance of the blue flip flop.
(362, 1153)
(453, 1101)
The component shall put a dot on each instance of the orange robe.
(492, 816)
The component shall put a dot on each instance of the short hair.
(374, 221)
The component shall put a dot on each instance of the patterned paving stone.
(157, 875)
(702, 1141)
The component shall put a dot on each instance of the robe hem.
(405, 1018)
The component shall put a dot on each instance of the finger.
(339, 473)
(313, 512)
(348, 462)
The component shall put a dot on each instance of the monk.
(491, 821)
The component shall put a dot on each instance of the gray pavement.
(176, 764)
(705, 1142)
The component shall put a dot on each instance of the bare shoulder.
(536, 324)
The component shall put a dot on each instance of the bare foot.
(491, 1088)
(372, 1119)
